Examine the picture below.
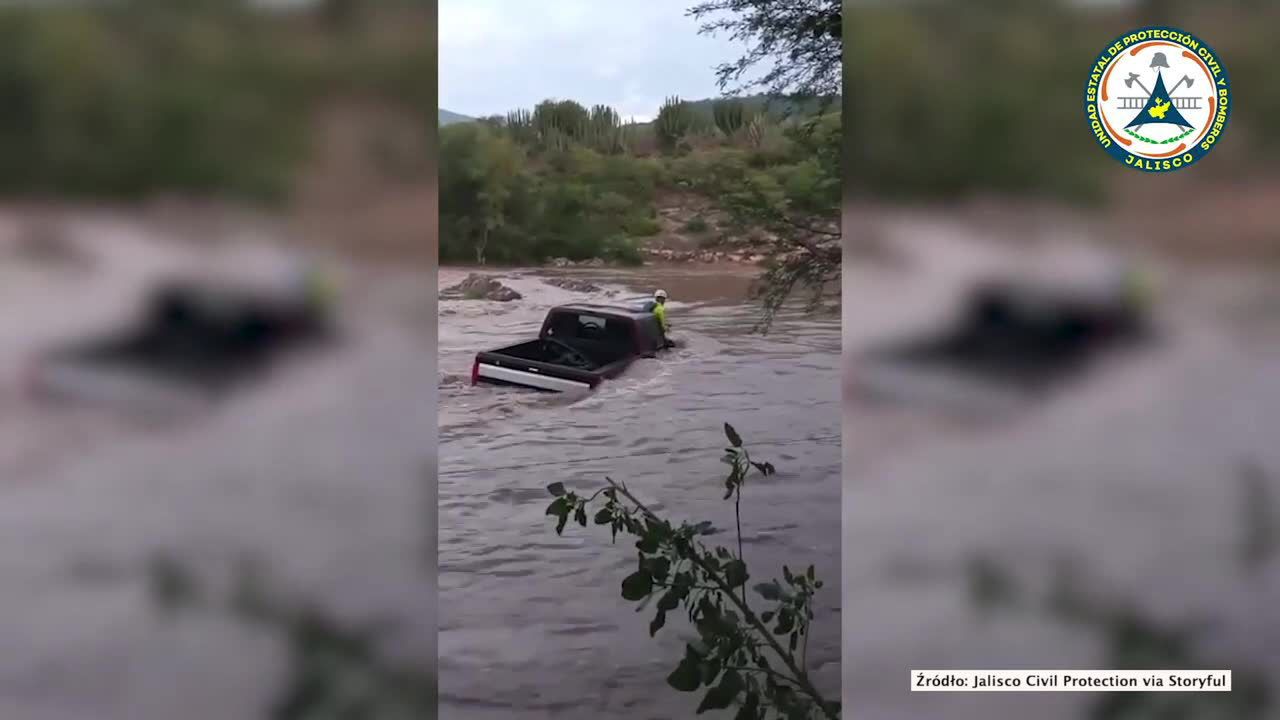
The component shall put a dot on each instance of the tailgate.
(118, 387)
(498, 368)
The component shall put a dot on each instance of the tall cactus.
(559, 123)
(729, 116)
(673, 122)
(603, 130)
(755, 130)
(520, 126)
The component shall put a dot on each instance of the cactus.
(603, 130)
(729, 116)
(520, 126)
(553, 119)
(615, 143)
(673, 122)
(755, 131)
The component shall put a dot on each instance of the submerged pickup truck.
(578, 347)
(196, 340)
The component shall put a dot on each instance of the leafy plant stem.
(798, 676)
(737, 516)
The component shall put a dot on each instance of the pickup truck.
(1015, 340)
(196, 341)
(579, 347)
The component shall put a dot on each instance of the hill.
(449, 118)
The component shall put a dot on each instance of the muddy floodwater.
(1154, 476)
(532, 625)
(314, 469)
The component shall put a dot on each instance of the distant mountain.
(449, 118)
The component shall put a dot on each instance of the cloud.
(496, 55)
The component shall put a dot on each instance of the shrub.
(696, 225)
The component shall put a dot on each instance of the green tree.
(799, 41)
(802, 42)
(480, 168)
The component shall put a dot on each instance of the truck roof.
(628, 311)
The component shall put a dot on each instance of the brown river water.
(532, 625)
(1133, 473)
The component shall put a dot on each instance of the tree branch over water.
(757, 662)
(798, 40)
(802, 42)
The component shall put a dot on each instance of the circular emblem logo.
(1157, 99)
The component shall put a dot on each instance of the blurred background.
(217, 349)
(1060, 393)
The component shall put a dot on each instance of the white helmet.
(660, 295)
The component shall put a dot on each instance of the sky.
(498, 55)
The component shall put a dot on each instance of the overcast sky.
(497, 55)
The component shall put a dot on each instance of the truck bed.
(542, 365)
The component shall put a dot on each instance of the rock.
(481, 287)
(594, 262)
(503, 294)
(560, 262)
(573, 285)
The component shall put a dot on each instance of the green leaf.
(769, 590)
(647, 544)
(765, 468)
(734, 439)
(722, 695)
(659, 567)
(604, 517)
(581, 515)
(735, 573)
(658, 621)
(711, 670)
(687, 677)
(558, 506)
(556, 488)
(750, 709)
(766, 616)
(810, 573)
(786, 573)
(564, 518)
(637, 586)
(786, 622)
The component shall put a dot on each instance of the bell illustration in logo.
(1160, 106)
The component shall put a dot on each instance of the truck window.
(585, 326)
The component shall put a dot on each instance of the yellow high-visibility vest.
(660, 312)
